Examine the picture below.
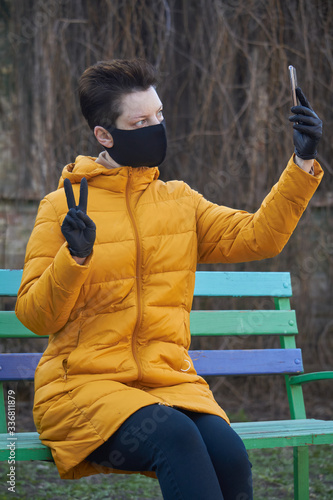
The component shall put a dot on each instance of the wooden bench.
(298, 432)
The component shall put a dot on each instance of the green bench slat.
(242, 284)
(242, 322)
(281, 433)
(11, 327)
(28, 446)
(256, 435)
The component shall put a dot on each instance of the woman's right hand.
(78, 229)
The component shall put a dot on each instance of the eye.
(140, 123)
(160, 114)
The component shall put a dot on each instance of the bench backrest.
(280, 321)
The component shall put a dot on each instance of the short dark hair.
(102, 86)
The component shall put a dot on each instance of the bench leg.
(301, 473)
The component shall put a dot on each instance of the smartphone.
(293, 84)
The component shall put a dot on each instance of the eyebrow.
(145, 116)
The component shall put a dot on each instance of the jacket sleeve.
(226, 235)
(51, 280)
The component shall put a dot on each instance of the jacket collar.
(113, 179)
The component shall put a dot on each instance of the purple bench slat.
(22, 366)
(252, 362)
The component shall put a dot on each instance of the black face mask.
(142, 147)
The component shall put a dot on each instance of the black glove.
(78, 229)
(307, 128)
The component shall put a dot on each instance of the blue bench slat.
(248, 362)
(245, 284)
(18, 366)
(10, 281)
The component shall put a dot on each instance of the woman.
(111, 281)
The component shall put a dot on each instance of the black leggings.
(196, 456)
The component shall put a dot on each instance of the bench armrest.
(310, 377)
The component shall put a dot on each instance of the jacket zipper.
(65, 367)
(138, 275)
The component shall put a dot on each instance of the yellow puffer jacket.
(119, 325)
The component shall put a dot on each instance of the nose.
(156, 120)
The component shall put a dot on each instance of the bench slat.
(242, 284)
(256, 435)
(239, 322)
(247, 362)
(18, 366)
(243, 322)
(22, 366)
(218, 283)
(28, 446)
(11, 327)
(10, 281)
(281, 433)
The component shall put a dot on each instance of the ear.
(103, 136)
